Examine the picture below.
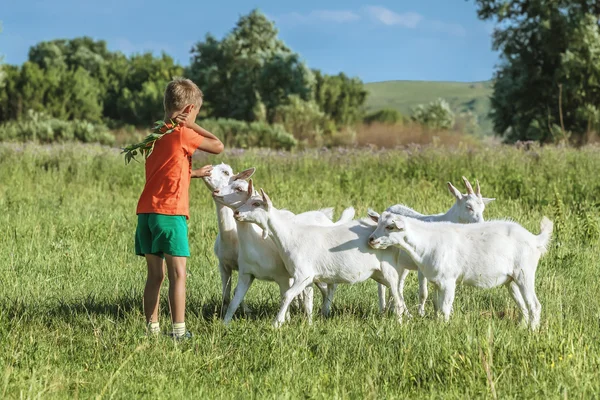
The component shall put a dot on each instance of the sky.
(378, 40)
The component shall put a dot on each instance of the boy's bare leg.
(156, 275)
(177, 276)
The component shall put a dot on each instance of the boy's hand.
(202, 172)
(182, 119)
(188, 117)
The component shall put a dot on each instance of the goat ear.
(266, 199)
(454, 191)
(373, 215)
(400, 224)
(478, 191)
(245, 174)
(487, 200)
(468, 186)
(250, 188)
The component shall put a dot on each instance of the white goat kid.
(259, 258)
(328, 254)
(226, 243)
(484, 255)
(468, 208)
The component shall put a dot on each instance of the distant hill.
(403, 95)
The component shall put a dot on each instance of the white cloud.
(389, 17)
(382, 15)
(331, 16)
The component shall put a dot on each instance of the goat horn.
(468, 185)
(478, 193)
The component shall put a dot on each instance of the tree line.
(248, 75)
(546, 87)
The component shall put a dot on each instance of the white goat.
(484, 255)
(226, 243)
(259, 258)
(332, 254)
(468, 208)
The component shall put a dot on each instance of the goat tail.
(546, 228)
(328, 212)
(347, 215)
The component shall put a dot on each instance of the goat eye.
(256, 204)
(226, 173)
(240, 190)
(390, 227)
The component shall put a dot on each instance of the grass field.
(71, 322)
(404, 95)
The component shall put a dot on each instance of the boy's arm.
(202, 172)
(210, 143)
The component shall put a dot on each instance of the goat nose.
(216, 191)
(236, 213)
(371, 240)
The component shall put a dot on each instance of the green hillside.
(403, 95)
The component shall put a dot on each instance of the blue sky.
(375, 40)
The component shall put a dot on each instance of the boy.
(163, 208)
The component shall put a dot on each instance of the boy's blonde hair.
(179, 93)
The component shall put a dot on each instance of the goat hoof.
(277, 324)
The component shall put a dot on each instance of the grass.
(410, 134)
(404, 95)
(71, 322)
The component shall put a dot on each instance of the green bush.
(38, 127)
(242, 134)
(386, 116)
(435, 115)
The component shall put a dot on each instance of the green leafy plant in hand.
(146, 146)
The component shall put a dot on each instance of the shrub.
(242, 134)
(386, 116)
(38, 127)
(435, 115)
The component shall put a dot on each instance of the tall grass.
(71, 322)
(395, 135)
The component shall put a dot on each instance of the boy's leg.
(170, 238)
(156, 275)
(177, 276)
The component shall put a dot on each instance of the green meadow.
(71, 321)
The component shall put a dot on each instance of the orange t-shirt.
(168, 174)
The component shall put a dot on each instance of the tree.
(127, 90)
(547, 84)
(340, 97)
(138, 99)
(57, 91)
(248, 68)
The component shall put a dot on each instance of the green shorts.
(160, 234)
